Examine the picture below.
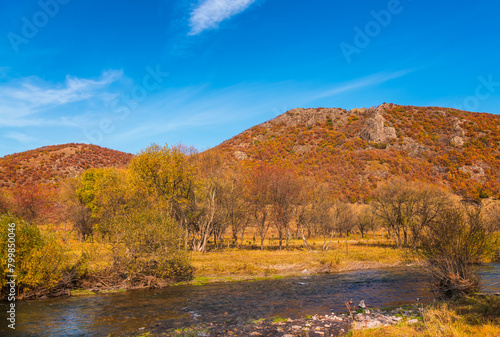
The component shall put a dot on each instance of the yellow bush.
(39, 260)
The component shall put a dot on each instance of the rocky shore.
(317, 325)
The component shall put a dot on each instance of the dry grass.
(250, 262)
(237, 264)
(470, 316)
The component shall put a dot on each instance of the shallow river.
(181, 306)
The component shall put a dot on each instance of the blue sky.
(125, 74)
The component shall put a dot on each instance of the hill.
(357, 149)
(51, 164)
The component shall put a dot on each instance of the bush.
(455, 241)
(40, 261)
(147, 249)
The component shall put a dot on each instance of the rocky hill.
(355, 150)
(51, 164)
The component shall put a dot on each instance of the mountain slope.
(355, 150)
(51, 164)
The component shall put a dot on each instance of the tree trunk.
(325, 248)
(304, 240)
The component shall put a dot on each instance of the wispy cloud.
(72, 90)
(209, 13)
(19, 136)
(29, 101)
(370, 80)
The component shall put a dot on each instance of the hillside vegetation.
(51, 164)
(307, 180)
(354, 150)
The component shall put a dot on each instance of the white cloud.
(209, 13)
(370, 80)
(22, 100)
(74, 89)
(20, 137)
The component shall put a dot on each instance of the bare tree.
(431, 201)
(235, 206)
(406, 208)
(207, 202)
(257, 195)
(366, 220)
(340, 218)
(314, 210)
(396, 205)
(284, 194)
(345, 217)
(455, 240)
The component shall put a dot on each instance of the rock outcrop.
(377, 130)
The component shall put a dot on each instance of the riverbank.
(251, 263)
(469, 316)
(231, 264)
(237, 307)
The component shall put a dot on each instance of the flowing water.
(230, 303)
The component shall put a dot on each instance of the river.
(155, 310)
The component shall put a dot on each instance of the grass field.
(477, 316)
(251, 262)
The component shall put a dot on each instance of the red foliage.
(32, 202)
(51, 164)
(331, 148)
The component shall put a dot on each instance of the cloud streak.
(21, 101)
(370, 80)
(74, 89)
(20, 137)
(209, 13)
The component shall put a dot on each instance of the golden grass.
(255, 263)
(250, 262)
(472, 316)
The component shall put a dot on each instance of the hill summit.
(356, 149)
(51, 164)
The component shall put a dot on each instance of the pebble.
(317, 325)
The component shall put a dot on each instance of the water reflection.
(233, 303)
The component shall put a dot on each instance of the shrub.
(455, 241)
(40, 261)
(147, 248)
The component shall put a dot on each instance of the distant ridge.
(352, 150)
(51, 164)
(355, 150)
